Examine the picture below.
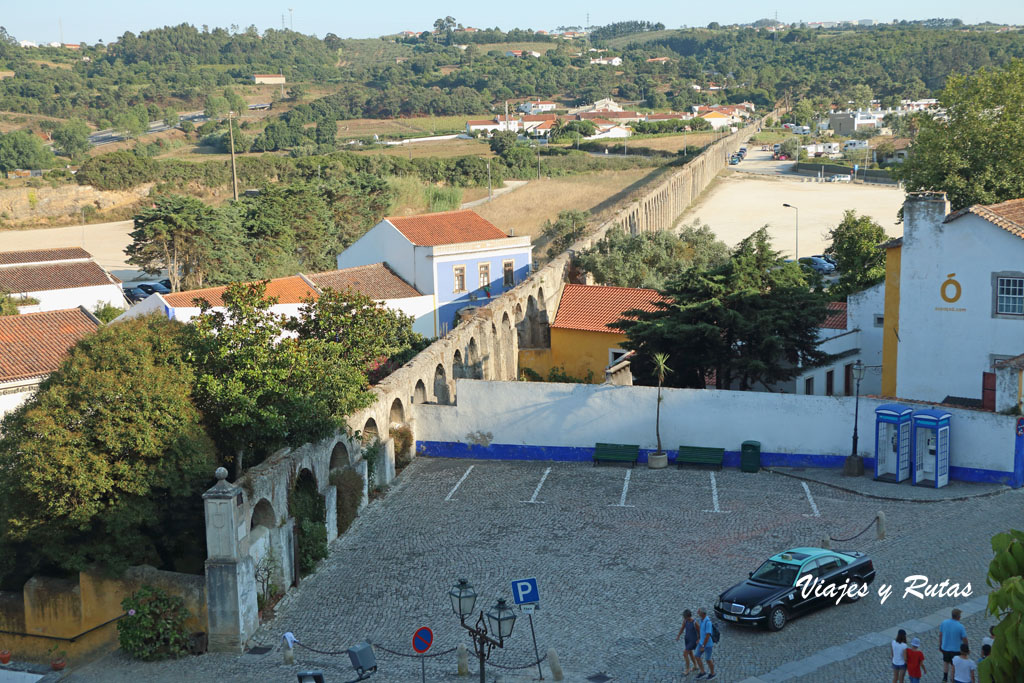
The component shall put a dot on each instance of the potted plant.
(5, 656)
(57, 658)
(659, 459)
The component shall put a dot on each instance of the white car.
(840, 178)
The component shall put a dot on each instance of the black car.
(134, 294)
(153, 288)
(771, 596)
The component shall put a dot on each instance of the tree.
(1006, 663)
(297, 91)
(171, 117)
(260, 391)
(106, 462)
(72, 138)
(651, 259)
(860, 262)
(366, 332)
(216, 107)
(973, 154)
(119, 170)
(502, 141)
(791, 147)
(179, 235)
(859, 96)
(660, 370)
(567, 228)
(753, 321)
(21, 149)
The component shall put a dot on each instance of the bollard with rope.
(879, 520)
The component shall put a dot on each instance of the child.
(899, 660)
(689, 627)
(964, 667)
(915, 661)
(986, 650)
(990, 638)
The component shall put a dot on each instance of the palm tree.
(661, 369)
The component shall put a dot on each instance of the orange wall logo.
(950, 289)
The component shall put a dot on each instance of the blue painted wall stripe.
(498, 451)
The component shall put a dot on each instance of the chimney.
(923, 214)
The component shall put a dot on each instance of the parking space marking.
(452, 492)
(625, 490)
(536, 491)
(714, 495)
(810, 499)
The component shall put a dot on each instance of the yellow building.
(581, 340)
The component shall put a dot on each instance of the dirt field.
(438, 148)
(526, 209)
(105, 241)
(505, 47)
(674, 143)
(419, 125)
(738, 204)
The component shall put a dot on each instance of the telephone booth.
(892, 442)
(931, 447)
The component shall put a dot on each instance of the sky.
(91, 22)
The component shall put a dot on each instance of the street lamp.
(501, 618)
(796, 256)
(854, 465)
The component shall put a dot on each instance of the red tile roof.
(287, 290)
(836, 318)
(1007, 215)
(539, 117)
(40, 278)
(592, 308)
(376, 281)
(482, 122)
(34, 344)
(8, 258)
(447, 227)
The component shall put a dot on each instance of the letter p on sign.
(525, 591)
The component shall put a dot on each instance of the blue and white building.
(456, 257)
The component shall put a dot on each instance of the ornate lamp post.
(854, 465)
(501, 618)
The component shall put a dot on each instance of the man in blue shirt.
(952, 635)
(705, 645)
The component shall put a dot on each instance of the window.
(1010, 295)
(485, 274)
(830, 380)
(809, 386)
(459, 275)
(879, 320)
(509, 271)
(614, 355)
(827, 565)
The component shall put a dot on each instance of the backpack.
(715, 635)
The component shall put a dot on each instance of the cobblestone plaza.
(618, 554)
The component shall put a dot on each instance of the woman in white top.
(899, 657)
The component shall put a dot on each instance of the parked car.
(818, 264)
(134, 295)
(830, 259)
(166, 283)
(733, 160)
(771, 597)
(840, 178)
(153, 288)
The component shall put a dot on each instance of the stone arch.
(419, 394)
(370, 431)
(525, 325)
(441, 394)
(474, 363)
(397, 415)
(508, 355)
(339, 456)
(459, 369)
(263, 515)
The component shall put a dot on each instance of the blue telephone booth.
(892, 442)
(931, 447)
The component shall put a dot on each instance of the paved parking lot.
(618, 554)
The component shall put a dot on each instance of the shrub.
(105, 312)
(116, 171)
(350, 496)
(155, 626)
(308, 508)
(403, 445)
(312, 544)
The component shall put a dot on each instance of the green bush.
(308, 508)
(312, 544)
(403, 445)
(154, 627)
(116, 171)
(350, 496)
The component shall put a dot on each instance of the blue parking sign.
(525, 591)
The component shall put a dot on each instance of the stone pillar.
(331, 502)
(232, 615)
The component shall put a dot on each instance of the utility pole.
(291, 18)
(490, 196)
(234, 172)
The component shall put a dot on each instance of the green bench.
(700, 456)
(616, 452)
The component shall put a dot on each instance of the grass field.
(526, 209)
(674, 143)
(643, 37)
(420, 125)
(439, 148)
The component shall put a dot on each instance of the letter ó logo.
(950, 283)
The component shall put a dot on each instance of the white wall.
(946, 346)
(18, 395)
(89, 297)
(421, 308)
(579, 415)
(383, 242)
(861, 309)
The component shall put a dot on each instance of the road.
(110, 135)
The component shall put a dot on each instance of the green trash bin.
(750, 456)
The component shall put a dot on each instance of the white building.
(268, 79)
(607, 61)
(59, 278)
(32, 345)
(954, 302)
(537, 106)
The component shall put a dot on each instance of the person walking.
(964, 668)
(952, 635)
(915, 661)
(689, 632)
(705, 645)
(899, 657)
